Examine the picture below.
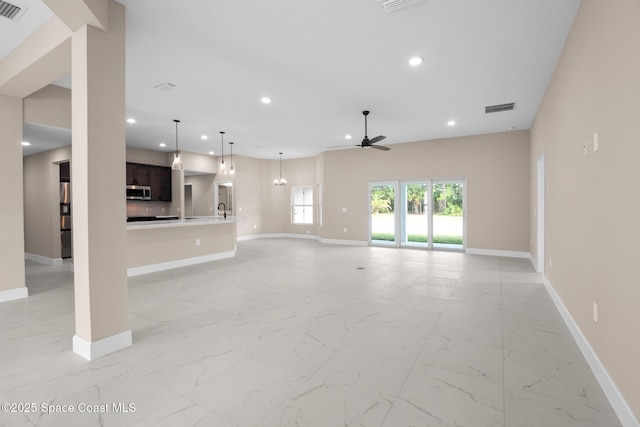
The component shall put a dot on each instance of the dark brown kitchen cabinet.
(157, 177)
(160, 181)
(137, 174)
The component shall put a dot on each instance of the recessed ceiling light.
(131, 120)
(347, 136)
(204, 137)
(415, 61)
(211, 153)
(451, 123)
(266, 100)
(26, 144)
(162, 144)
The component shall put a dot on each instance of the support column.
(12, 284)
(99, 208)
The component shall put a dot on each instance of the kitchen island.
(164, 244)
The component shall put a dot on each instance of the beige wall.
(496, 168)
(276, 200)
(592, 205)
(196, 162)
(49, 106)
(247, 195)
(202, 190)
(147, 157)
(156, 245)
(11, 252)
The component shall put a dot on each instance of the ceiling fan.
(366, 142)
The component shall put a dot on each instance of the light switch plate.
(596, 143)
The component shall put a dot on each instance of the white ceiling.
(323, 62)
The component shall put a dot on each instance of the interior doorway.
(223, 193)
(188, 200)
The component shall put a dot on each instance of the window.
(302, 205)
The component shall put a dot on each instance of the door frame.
(396, 217)
(403, 202)
(540, 213)
(398, 200)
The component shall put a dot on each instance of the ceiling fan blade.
(376, 139)
(380, 147)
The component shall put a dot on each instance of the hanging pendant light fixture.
(231, 170)
(177, 161)
(280, 181)
(223, 168)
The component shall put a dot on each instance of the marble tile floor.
(297, 333)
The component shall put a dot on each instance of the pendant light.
(280, 181)
(231, 170)
(223, 168)
(177, 161)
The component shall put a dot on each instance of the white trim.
(496, 252)
(540, 213)
(42, 259)
(617, 400)
(343, 242)
(533, 261)
(489, 252)
(288, 235)
(96, 349)
(152, 268)
(13, 294)
(303, 236)
(248, 237)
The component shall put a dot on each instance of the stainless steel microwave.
(138, 192)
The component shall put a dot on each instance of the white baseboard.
(13, 294)
(495, 252)
(289, 236)
(535, 264)
(343, 242)
(248, 237)
(43, 259)
(96, 349)
(617, 400)
(152, 268)
(303, 236)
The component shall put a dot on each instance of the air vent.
(165, 87)
(10, 11)
(499, 107)
(393, 5)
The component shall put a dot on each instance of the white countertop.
(191, 221)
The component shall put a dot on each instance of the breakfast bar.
(164, 244)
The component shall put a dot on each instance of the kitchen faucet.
(224, 207)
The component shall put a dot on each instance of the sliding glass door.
(427, 213)
(448, 214)
(382, 213)
(414, 224)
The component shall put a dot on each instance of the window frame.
(307, 208)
